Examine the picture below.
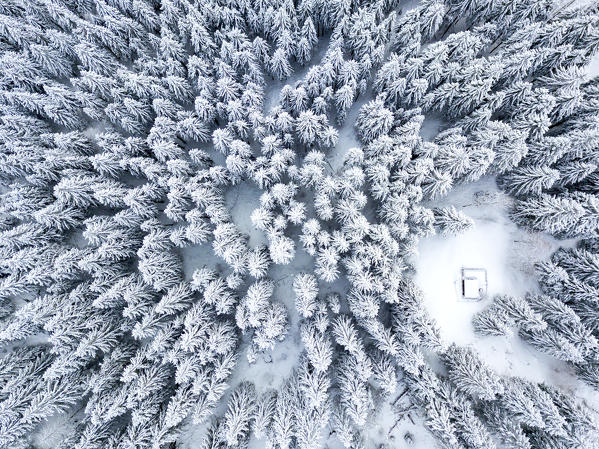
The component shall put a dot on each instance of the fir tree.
(451, 221)
(470, 375)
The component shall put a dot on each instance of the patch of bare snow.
(241, 201)
(508, 253)
(495, 243)
(593, 67)
(53, 430)
(347, 134)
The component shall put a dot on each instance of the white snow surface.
(508, 253)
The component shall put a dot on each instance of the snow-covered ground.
(508, 253)
(53, 430)
(495, 243)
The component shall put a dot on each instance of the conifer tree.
(451, 221)
(470, 375)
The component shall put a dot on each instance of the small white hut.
(473, 283)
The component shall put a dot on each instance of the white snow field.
(508, 253)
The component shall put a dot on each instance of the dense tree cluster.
(123, 124)
(563, 321)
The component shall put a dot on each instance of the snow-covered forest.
(242, 223)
